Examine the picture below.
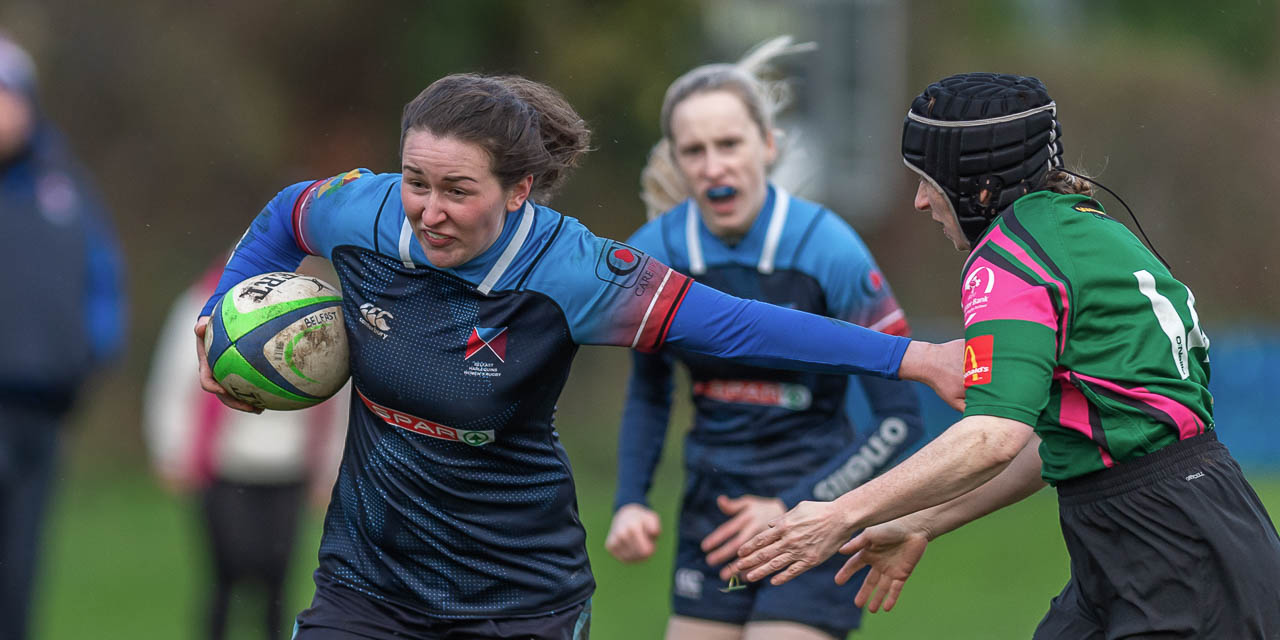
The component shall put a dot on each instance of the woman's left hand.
(801, 539)
(750, 515)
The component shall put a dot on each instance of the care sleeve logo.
(977, 360)
(619, 264)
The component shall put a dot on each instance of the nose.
(432, 211)
(922, 197)
(714, 166)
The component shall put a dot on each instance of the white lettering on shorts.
(862, 465)
(689, 583)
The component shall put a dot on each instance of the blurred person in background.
(762, 439)
(60, 270)
(465, 302)
(1086, 369)
(252, 472)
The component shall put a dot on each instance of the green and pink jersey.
(1074, 327)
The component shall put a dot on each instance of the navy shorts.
(812, 598)
(339, 613)
(1174, 544)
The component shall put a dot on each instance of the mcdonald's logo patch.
(977, 360)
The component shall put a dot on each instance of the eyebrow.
(416, 171)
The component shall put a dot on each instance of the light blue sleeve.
(309, 218)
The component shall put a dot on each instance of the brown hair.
(526, 127)
(1068, 183)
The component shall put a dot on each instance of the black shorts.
(1174, 544)
(339, 613)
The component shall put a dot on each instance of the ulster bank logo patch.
(619, 264)
(977, 360)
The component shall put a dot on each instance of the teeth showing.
(433, 236)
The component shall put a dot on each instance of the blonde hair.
(661, 185)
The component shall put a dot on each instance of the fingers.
(794, 569)
(632, 534)
(773, 561)
(629, 547)
(729, 550)
(652, 526)
(867, 589)
(895, 590)
(878, 591)
(207, 381)
(238, 405)
(882, 586)
(851, 566)
(855, 545)
(760, 541)
(722, 534)
(731, 506)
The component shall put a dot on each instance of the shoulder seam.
(378, 218)
(542, 252)
(808, 232)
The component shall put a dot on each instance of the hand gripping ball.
(277, 341)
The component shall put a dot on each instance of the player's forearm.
(644, 427)
(1018, 480)
(268, 245)
(760, 334)
(963, 458)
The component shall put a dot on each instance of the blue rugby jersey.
(455, 496)
(789, 429)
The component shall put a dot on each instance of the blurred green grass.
(123, 560)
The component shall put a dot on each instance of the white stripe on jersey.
(781, 205)
(406, 240)
(772, 238)
(652, 301)
(509, 254)
(697, 266)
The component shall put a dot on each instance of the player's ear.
(519, 192)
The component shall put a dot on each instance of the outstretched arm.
(893, 549)
(964, 457)
(761, 334)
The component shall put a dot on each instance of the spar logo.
(426, 427)
(977, 360)
(618, 264)
(796, 397)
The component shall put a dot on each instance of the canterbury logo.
(375, 317)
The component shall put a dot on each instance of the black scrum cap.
(982, 131)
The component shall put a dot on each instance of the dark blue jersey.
(789, 426)
(455, 496)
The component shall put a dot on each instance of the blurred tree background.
(192, 115)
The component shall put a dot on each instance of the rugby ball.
(277, 341)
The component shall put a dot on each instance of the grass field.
(122, 562)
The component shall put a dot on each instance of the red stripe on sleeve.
(300, 208)
(668, 298)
